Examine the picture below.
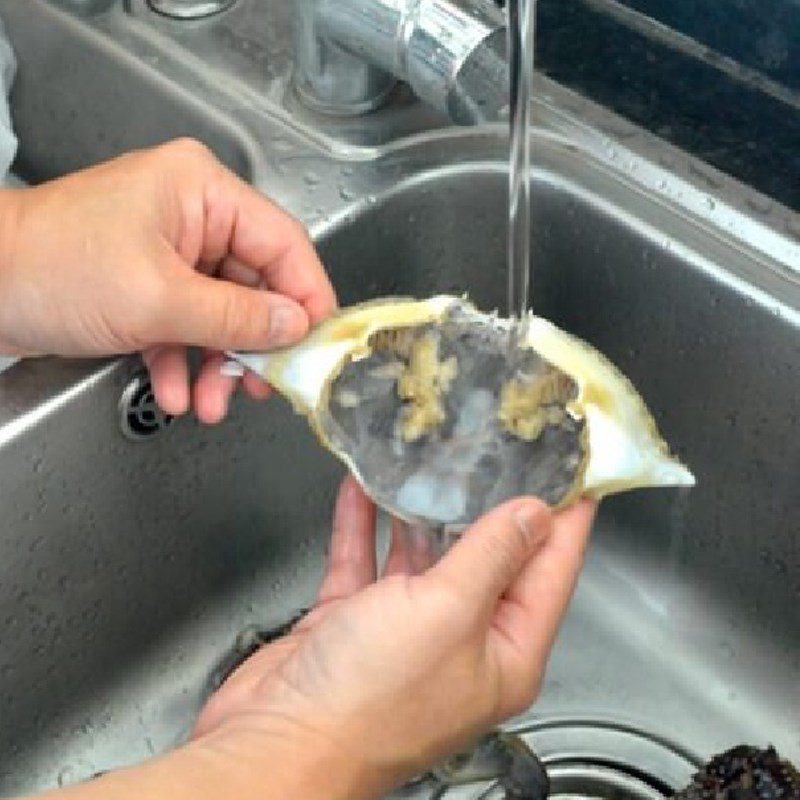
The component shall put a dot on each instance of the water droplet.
(311, 178)
(727, 649)
(66, 776)
(346, 193)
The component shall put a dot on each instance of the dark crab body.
(744, 773)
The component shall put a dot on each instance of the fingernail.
(287, 323)
(528, 518)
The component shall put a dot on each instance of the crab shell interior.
(419, 397)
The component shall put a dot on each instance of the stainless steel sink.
(130, 560)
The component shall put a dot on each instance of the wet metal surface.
(127, 569)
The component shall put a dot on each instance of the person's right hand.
(151, 252)
(385, 676)
(388, 675)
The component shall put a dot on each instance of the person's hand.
(128, 257)
(387, 676)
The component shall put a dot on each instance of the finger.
(169, 375)
(492, 552)
(398, 559)
(255, 386)
(421, 549)
(537, 601)
(212, 390)
(207, 312)
(411, 550)
(246, 225)
(352, 560)
(233, 269)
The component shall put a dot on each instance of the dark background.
(742, 117)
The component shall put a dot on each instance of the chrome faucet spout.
(351, 53)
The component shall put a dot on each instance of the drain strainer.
(582, 780)
(140, 416)
(589, 760)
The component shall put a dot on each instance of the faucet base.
(330, 78)
(374, 92)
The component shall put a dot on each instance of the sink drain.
(140, 416)
(586, 780)
(588, 760)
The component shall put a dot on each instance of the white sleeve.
(8, 68)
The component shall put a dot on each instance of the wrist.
(247, 763)
(10, 219)
(281, 759)
(10, 222)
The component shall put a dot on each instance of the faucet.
(351, 53)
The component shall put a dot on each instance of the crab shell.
(623, 448)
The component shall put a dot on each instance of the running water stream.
(521, 39)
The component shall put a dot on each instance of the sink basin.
(80, 98)
(132, 552)
(686, 623)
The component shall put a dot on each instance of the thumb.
(494, 550)
(209, 312)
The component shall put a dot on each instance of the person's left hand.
(151, 252)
